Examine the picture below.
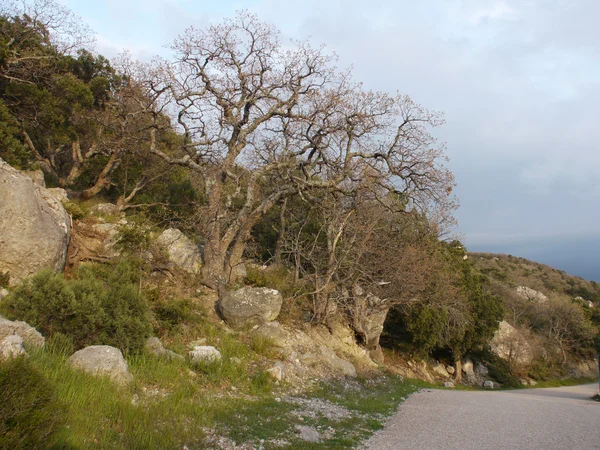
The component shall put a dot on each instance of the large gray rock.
(204, 354)
(308, 434)
(181, 250)
(510, 345)
(31, 336)
(34, 227)
(336, 363)
(103, 209)
(102, 360)
(11, 347)
(531, 294)
(250, 306)
(274, 333)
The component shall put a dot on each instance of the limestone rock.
(276, 371)
(37, 176)
(11, 347)
(154, 347)
(204, 353)
(531, 294)
(250, 306)
(370, 314)
(31, 336)
(181, 251)
(449, 384)
(34, 227)
(3, 293)
(488, 384)
(59, 194)
(337, 363)
(104, 209)
(102, 360)
(508, 343)
(451, 370)
(273, 332)
(441, 370)
(308, 434)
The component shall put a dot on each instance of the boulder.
(103, 209)
(449, 384)
(451, 370)
(531, 294)
(510, 345)
(370, 313)
(180, 250)
(250, 306)
(102, 360)
(488, 384)
(34, 227)
(154, 347)
(308, 434)
(31, 337)
(11, 347)
(441, 370)
(204, 354)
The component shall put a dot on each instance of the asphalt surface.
(553, 418)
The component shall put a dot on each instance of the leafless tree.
(263, 121)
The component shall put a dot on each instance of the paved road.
(554, 418)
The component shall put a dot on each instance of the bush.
(101, 306)
(30, 414)
(171, 314)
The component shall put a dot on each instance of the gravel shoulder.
(552, 418)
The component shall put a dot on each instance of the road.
(553, 418)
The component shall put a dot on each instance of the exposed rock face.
(531, 294)
(181, 251)
(102, 360)
(370, 315)
(441, 370)
(31, 337)
(204, 353)
(510, 345)
(154, 347)
(451, 370)
(59, 194)
(250, 306)
(471, 376)
(11, 347)
(37, 176)
(34, 226)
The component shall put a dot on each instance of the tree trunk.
(458, 374)
(281, 234)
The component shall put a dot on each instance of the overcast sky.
(518, 80)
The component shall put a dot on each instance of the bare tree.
(264, 121)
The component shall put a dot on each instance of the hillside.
(512, 271)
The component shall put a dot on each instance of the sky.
(518, 81)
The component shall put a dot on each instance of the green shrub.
(4, 279)
(75, 210)
(60, 344)
(30, 414)
(101, 306)
(171, 314)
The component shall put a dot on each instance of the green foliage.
(30, 412)
(274, 277)
(101, 306)
(171, 314)
(426, 324)
(133, 237)
(4, 279)
(11, 149)
(75, 210)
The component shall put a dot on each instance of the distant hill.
(511, 271)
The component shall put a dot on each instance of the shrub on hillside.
(30, 413)
(101, 306)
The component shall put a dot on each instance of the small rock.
(11, 347)
(308, 434)
(3, 293)
(102, 360)
(250, 306)
(181, 250)
(30, 335)
(488, 384)
(205, 353)
(451, 370)
(107, 209)
(449, 385)
(276, 372)
(154, 347)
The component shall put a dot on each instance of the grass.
(172, 404)
(563, 382)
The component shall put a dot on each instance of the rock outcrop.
(510, 345)
(531, 294)
(102, 360)
(370, 314)
(250, 306)
(34, 226)
(180, 250)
